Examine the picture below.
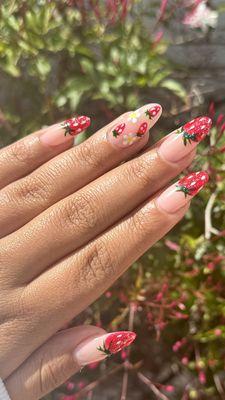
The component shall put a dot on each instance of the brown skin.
(63, 212)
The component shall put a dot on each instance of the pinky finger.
(62, 356)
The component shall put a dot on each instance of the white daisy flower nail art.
(129, 139)
(133, 116)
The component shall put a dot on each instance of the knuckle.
(30, 189)
(87, 156)
(99, 264)
(139, 169)
(140, 223)
(80, 211)
(20, 152)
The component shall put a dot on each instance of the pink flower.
(169, 388)
(201, 16)
(217, 332)
(172, 245)
(157, 38)
(162, 9)
(185, 360)
(81, 384)
(70, 385)
(123, 355)
(202, 377)
(93, 365)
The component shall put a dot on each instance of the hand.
(72, 220)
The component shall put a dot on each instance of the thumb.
(60, 357)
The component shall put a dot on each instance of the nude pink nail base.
(98, 348)
(62, 132)
(182, 141)
(180, 193)
(135, 126)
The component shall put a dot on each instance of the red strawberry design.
(116, 341)
(142, 129)
(195, 130)
(153, 111)
(192, 183)
(73, 126)
(118, 130)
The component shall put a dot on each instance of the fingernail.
(181, 142)
(180, 193)
(135, 126)
(98, 348)
(62, 132)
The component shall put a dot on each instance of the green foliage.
(66, 62)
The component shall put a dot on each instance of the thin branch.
(219, 386)
(113, 371)
(209, 229)
(126, 369)
(124, 384)
(151, 386)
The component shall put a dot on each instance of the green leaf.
(175, 87)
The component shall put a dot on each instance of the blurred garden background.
(101, 58)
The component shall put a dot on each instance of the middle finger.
(74, 221)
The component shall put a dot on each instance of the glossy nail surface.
(181, 142)
(135, 126)
(62, 132)
(98, 348)
(180, 193)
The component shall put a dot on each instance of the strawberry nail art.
(115, 342)
(153, 111)
(118, 130)
(191, 184)
(179, 194)
(135, 126)
(98, 348)
(74, 126)
(195, 130)
(181, 142)
(62, 132)
(142, 129)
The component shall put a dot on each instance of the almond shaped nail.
(135, 126)
(98, 348)
(62, 132)
(180, 193)
(181, 142)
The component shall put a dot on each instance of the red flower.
(192, 183)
